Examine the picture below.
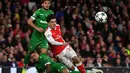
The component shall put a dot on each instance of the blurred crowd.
(97, 44)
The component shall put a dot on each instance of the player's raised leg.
(72, 55)
(67, 62)
(79, 64)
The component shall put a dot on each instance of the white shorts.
(66, 55)
(68, 52)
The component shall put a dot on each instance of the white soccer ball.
(101, 17)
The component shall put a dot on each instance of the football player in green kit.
(37, 39)
(44, 64)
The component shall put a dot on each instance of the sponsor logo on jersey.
(41, 14)
(43, 22)
(58, 37)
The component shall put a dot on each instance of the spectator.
(89, 62)
(24, 1)
(128, 49)
(10, 57)
(98, 62)
(1, 58)
(86, 52)
(18, 32)
(21, 63)
(13, 62)
(105, 59)
(5, 61)
(118, 62)
(126, 63)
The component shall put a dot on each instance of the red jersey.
(55, 39)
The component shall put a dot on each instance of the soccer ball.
(101, 17)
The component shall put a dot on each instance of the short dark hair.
(51, 16)
(32, 53)
(45, 0)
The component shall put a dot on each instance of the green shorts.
(57, 68)
(38, 40)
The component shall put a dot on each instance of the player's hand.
(64, 44)
(40, 29)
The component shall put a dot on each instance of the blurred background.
(101, 45)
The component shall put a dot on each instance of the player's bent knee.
(72, 68)
(76, 60)
(66, 61)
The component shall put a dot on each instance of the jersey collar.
(52, 29)
(44, 9)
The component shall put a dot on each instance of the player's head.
(51, 20)
(34, 56)
(46, 4)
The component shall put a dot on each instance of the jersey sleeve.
(51, 40)
(45, 60)
(35, 14)
(51, 12)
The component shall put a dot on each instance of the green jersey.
(44, 60)
(38, 39)
(40, 16)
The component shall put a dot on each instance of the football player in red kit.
(59, 47)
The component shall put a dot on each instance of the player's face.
(52, 23)
(46, 4)
(34, 57)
